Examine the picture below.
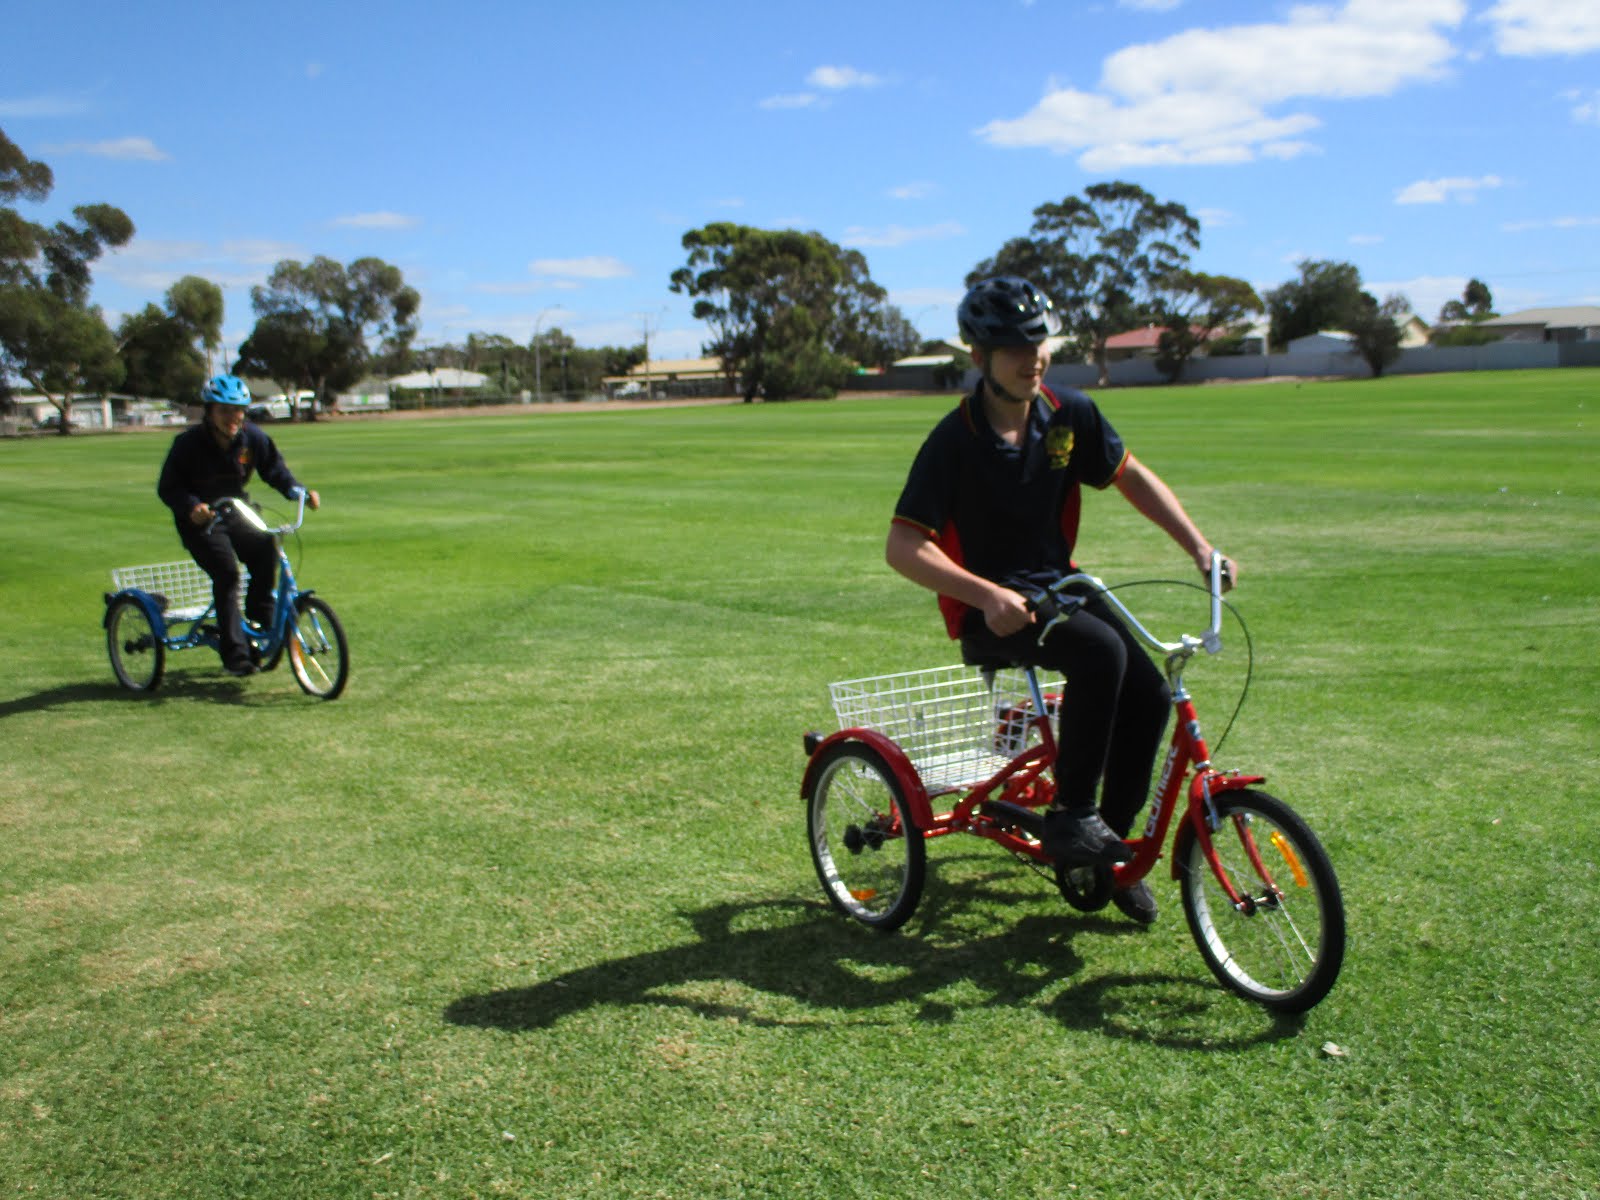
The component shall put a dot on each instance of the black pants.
(1113, 711)
(219, 554)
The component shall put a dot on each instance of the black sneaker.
(1136, 902)
(1082, 839)
(240, 669)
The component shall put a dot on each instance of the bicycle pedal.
(1010, 815)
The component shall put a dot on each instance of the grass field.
(529, 912)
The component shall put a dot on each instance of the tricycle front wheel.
(319, 656)
(1281, 942)
(138, 653)
(869, 855)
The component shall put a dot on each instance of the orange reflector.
(863, 894)
(1290, 857)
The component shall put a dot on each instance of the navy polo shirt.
(1009, 513)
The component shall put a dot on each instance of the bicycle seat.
(989, 663)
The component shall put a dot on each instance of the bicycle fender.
(1211, 783)
(1214, 783)
(893, 757)
(144, 600)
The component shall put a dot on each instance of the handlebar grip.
(1053, 608)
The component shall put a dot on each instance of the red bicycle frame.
(1003, 808)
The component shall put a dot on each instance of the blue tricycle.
(165, 607)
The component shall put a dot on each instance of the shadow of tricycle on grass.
(182, 686)
(842, 973)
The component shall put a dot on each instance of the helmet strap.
(990, 382)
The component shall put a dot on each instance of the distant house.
(1146, 342)
(84, 412)
(1572, 323)
(1413, 333)
(669, 377)
(1328, 341)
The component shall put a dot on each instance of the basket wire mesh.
(184, 586)
(955, 728)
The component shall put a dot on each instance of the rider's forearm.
(1150, 495)
(920, 559)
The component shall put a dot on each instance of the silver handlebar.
(1210, 641)
(249, 515)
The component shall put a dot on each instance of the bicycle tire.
(318, 653)
(138, 653)
(869, 856)
(1283, 948)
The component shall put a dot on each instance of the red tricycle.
(1258, 890)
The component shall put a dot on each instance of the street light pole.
(645, 317)
(538, 381)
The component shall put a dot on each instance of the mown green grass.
(529, 911)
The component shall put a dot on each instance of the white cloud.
(1438, 191)
(1531, 28)
(260, 251)
(43, 106)
(836, 79)
(1205, 96)
(128, 149)
(378, 220)
(155, 264)
(791, 100)
(1150, 5)
(1366, 239)
(1551, 223)
(1427, 293)
(900, 235)
(525, 287)
(1585, 106)
(919, 190)
(594, 267)
(828, 79)
(157, 250)
(910, 299)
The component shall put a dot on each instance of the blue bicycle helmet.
(226, 389)
(1007, 311)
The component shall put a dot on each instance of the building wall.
(1498, 356)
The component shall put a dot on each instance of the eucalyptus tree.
(785, 308)
(51, 337)
(320, 324)
(1101, 257)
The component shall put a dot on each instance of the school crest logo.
(1058, 447)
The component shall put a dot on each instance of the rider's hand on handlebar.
(1230, 569)
(313, 501)
(1006, 612)
(200, 513)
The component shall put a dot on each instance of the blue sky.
(532, 165)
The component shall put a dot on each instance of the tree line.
(321, 326)
(790, 313)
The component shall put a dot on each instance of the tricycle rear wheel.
(138, 653)
(868, 853)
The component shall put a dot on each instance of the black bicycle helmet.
(1006, 311)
